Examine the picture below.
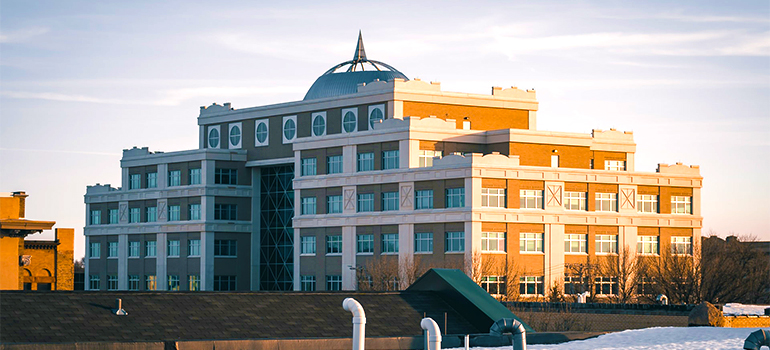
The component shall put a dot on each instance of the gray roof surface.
(345, 83)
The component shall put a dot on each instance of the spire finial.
(360, 52)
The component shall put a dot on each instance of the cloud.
(52, 96)
(59, 151)
(22, 35)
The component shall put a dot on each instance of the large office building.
(374, 167)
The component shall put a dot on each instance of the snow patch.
(742, 309)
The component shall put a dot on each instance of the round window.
(349, 122)
(261, 132)
(289, 129)
(235, 135)
(213, 138)
(376, 116)
(319, 125)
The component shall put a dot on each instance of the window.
(308, 166)
(615, 165)
(647, 203)
(349, 121)
(365, 202)
(530, 242)
(225, 247)
(333, 204)
(174, 212)
(647, 244)
(334, 244)
(365, 161)
(375, 116)
(193, 283)
(606, 244)
(423, 242)
(531, 285)
(113, 216)
(389, 201)
(289, 129)
(93, 282)
(96, 217)
(575, 243)
(225, 212)
(307, 283)
(307, 245)
(681, 245)
(606, 201)
(333, 282)
(150, 249)
(195, 211)
(554, 161)
(225, 176)
(455, 242)
(308, 206)
(224, 283)
(133, 249)
(423, 199)
(152, 214)
(390, 243)
(575, 200)
(319, 124)
(455, 197)
(645, 286)
(334, 165)
(112, 249)
(134, 215)
(493, 284)
(173, 282)
(149, 282)
(193, 247)
(493, 242)
(112, 282)
(135, 181)
(364, 244)
(261, 133)
(681, 205)
(606, 285)
(389, 160)
(493, 197)
(214, 137)
(426, 157)
(173, 248)
(531, 199)
(195, 176)
(574, 285)
(94, 250)
(152, 180)
(133, 282)
(175, 178)
(235, 135)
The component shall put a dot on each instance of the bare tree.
(678, 276)
(624, 267)
(733, 271)
(586, 274)
(379, 274)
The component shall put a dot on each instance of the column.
(348, 258)
(405, 252)
(627, 237)
(409, 151)
(553, 247)
(349, 159)
(256, 187)
(695, 202)
(123, 262)
(297, 240)
(207, 261)
(162, 176)
(124, 179)
(207, 171)
(86, 263)
(472, 243)
(472, 192)
(207, 208)
(161, 277)
(630, 161)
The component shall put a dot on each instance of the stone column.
(207, 261)
(348, 258)
(349, 159)
(161, 277)
(553, 247)
(405, 252)
(123, 262)
(162, 176)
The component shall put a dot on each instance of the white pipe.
(434, 333)
(359, 322)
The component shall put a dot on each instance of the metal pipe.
(513, 326)
(434, 333)
(757, 339)
(359, 322)
(467, 342)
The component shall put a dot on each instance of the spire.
(360, 54)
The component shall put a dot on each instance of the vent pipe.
(513, 326)
(118, 310)
(756, 340)
(583, 297)
(434, 333)
(662, 299)
(359, 322)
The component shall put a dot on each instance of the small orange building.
(32, 264)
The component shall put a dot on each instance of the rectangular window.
(173, 248)
(389, 201)
(175, 178)
(333, 282)
(225, 212)
(364, 244)
(606, 202)
(112, 249)
(574, 285)
(307, 283)
(113, 216)
(575, 200)
(606, 285)
(681, 205)
(493, 197)
(133, 282)
(152, 180)
(455, 242)
(494, 285)
(455, 197)
(225, 176)
(96, 217)
(423, 242)
(645, 286)
(493, 242)
(389, 160)
(334, 244)
(531, 199)
(173, 282)
(333, 204)
(174, 212)
(308, 245)
(308, 166)
(224, 283)
(554, 161)
(308, 206)
(94, 250)
(681, 245)
(195, 211)
(195, 176)
(112, 282)
(134, 215)
(606, 244)
(575, 243)
(133, 249)
(150, 249)
(530, 242)
(193, 247)
(615, 165)
(365, 202)
(426, 157)
(647, 244)
(333, 166)
(225, 247)
(149, 282)
(390, 243)
(365, 161)
(423, 199)
(152, 214)
(193, 283)
(94, 282)
(647, 203)
(531, 285)
(134, 181)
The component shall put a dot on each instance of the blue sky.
(80, 81)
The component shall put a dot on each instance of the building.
(32, 264)
(371, 167)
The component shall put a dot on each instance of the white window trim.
(240, 139)
(283, 125)
(342, 121)
(312, 121)
(257, 123)
(369, 114)
(208, 137)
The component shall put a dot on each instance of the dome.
(333, 83)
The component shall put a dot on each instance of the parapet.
(514, 92)
(215, 109)
(612, 135)
(100, 189)
(136, 152)
(678, 169)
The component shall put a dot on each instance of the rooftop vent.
(119, 308)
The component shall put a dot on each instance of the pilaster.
(160, 262)
(627, 237)
(123, 262)
(553, 248)
(162, 176)
(405, 253)
(256, 174)
(472, 243)
(348, 258)
(86, 263)
(349, 159)
(207, 261)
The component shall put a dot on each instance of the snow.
(742, 309)
(670, 338)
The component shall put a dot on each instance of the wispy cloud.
(53, 96)
(21, 35)
(58, 151)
